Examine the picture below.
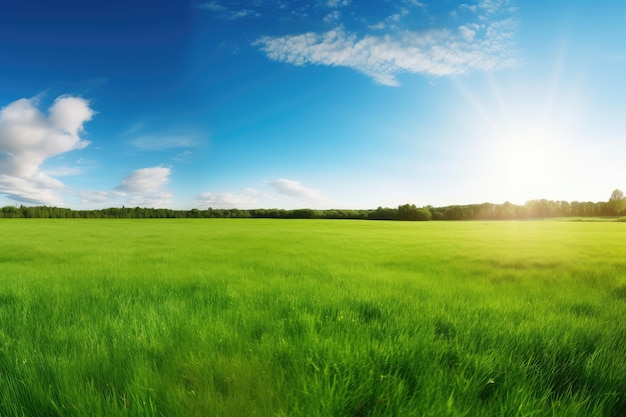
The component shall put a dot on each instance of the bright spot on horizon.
(527, 162)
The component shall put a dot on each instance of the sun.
(525, 161)
(524, 133)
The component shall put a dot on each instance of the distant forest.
(485, 211)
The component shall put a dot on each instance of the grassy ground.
(312, 318)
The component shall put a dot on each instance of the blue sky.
(321, 104)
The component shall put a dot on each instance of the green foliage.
(261, 317)
(617, 202)
(485, 211)
(411, 212)
(403, 212)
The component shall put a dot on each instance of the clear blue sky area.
(320, 104)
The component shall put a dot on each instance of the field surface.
(243, 317)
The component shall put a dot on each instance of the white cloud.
(28, 137)
(467, 33)
(34, 189)
(471, 8)
(295, 189)
(225, 200)
(145, 180)
(396, 17)
(226, 13)
(158, 199)
(333, 16)
(285, 193)
(337, 3)
(213, 6)
(92, 198)
(144, 187)
(239, 14)
(248, 199)
(68, 114)
(391, 22)
(432, 52)
(256, 193)
(415, 3)
(492, 6)
(184, 156)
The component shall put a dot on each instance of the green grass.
(312, 318)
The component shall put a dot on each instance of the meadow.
(251, 317)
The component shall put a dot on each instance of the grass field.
(312, 318)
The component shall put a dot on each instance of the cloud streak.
(28, 137)
(226, 13)
(252, 197)
(485, 42)
(163, 142)
(225, 200)
(143, 187)
(145, 180)
(295, 189)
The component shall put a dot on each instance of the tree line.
(409, 212)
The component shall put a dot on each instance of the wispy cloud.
(494, 6)
(28, 137)
(228, 13)
(63, 171)
(225, 200)
(145, 180)
(471, 7)
(158, 199)
(134, 128)
(100, 198)
(184, 156)
(213, 6)
(293, 188)
(282, 191)
(83, 161)
(485, 41)
(239, 14)
(248, 199)
(415, 3)
(332, 17)
(143, 187)
(162, 142)
(468, 32)
(391, 22)
(337, 3)
(143, 137)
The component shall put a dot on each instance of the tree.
(411, 212)
(617, 201)
(407, 212)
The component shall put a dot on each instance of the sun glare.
(528, 140)
(525, 162)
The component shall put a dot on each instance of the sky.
(321, 104)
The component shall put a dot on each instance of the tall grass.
(311, 318)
